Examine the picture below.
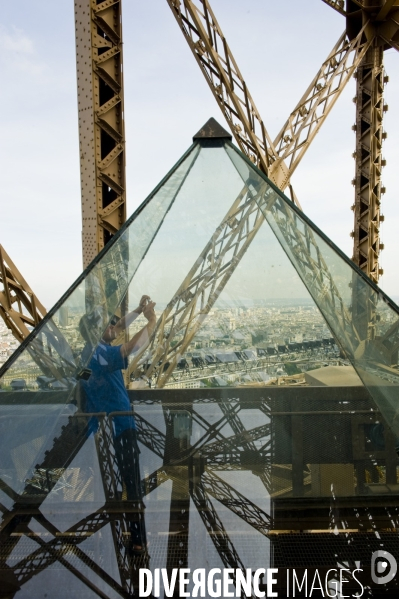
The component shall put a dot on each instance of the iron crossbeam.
(224, 446)
(209, 46)
(338, 5)
(306, 119)
(113, 485)
(278, 158)
(248, 445)
(202, 286)
(240, 505)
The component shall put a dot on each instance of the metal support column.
(370, 108)
(99, 63)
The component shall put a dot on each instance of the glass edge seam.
(315, 228)
(7, 365)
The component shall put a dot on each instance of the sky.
(279, 47)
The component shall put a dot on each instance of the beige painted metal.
(338, 5)
(19, 306)
(371, 24)
(278, 158)
(369, 163)
(99, 63)
(383, 28)
(209, 46)
(312, 109)
(203, 284)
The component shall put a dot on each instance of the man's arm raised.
(142, 336)
(127, 320)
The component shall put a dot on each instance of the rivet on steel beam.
(383, 162)
(380, 271)
(352, 234)
(354, 127)
(385, 108)
(383, 189)
(381, 246)
(386, 78)
(353, 181)
(382, 218)
(384, 135)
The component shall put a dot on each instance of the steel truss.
(101, 121)
(338, 5)
(371, 32)
(191, 478)
(279, 158)
(217, 532)
(195, 297)
(211, 271)
(370, 108)
(100, 93)
(202, 286)
(19, 306)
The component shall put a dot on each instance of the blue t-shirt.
(105, 390)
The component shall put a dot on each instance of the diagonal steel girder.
(338, 5)
(248, 445)
(202, 286)
(218, 534)
(235, 501)
(278, 158)
(19, 306)
(58, 548)
(65, 448)
(234, 441)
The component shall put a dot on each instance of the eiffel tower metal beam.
(19, 306)
(235, 501)
(216, 530)
(279, 158)
(99, 67)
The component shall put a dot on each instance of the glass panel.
(54, 352)
(257, 430)
(364, 322)
(220, 320)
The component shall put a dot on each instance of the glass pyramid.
(262, 396)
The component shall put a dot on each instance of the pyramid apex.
(212, 130)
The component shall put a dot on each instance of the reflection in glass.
(255, 423)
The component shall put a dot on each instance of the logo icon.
(383, 567)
